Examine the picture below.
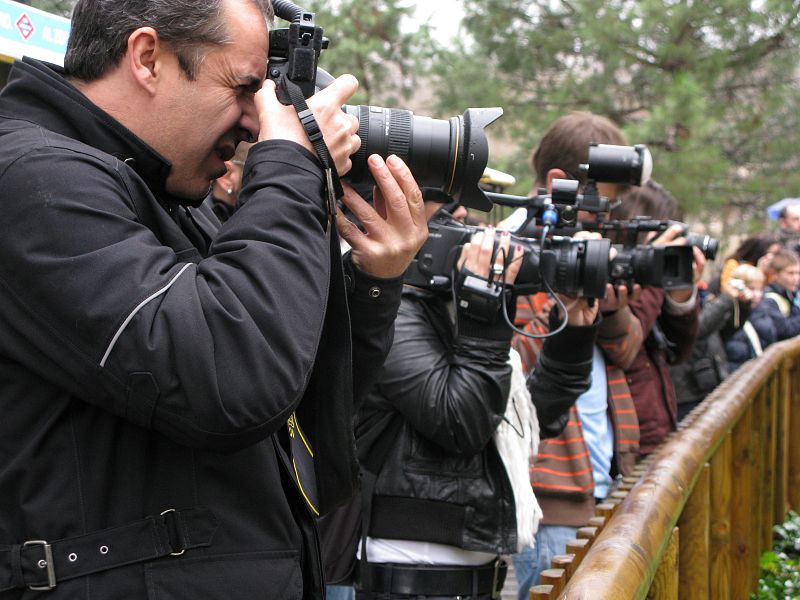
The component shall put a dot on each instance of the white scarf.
(515, 451)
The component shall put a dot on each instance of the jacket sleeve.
(647, 308)
(373, 304)
(620, 337)
(214, 354)
(715, 315)
(454, 398)
(681, 330)
(563, 372)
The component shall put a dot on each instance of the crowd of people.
(214, 384)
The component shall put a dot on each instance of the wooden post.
(597, 522)
(578, 548)
(794, 437)
(586, 533)
(719, 582)
(742, 503)
(555, 577)
(665, 583)
(770, 466)
(541, 592)
(782, 443)
(694, 540)
(566, 562)
(605, 509)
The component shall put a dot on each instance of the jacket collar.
(39, 92)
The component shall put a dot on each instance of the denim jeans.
(550, 541)
(339, 592)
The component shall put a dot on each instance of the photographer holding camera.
(669, 321)
(177, 402)
(594, 437)
(442, 507)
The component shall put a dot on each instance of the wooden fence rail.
(695, 520)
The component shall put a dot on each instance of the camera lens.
(708, 245)
(448, 154)
(627, 165)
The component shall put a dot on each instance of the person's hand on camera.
(395, 229)
(476, 256)
(674, 236)
(339, 129)
(736, 289)
(617, 297)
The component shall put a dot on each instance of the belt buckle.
(164, 514)
(46, 562)
(496, 578)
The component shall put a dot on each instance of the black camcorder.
(449, 154)
(564, 265)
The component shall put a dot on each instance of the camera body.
(574, 267)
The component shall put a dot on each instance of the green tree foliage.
(368, 39)
(711, 87)
(57, 7)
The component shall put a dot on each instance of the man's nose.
(248, 122)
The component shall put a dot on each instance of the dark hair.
(753, 248)
(100, 29)
(650, 200)
(565, 144)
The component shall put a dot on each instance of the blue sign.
(26, 31)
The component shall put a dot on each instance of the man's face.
(204, 120)
(792, 219)
(788, 278)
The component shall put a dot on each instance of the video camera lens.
(666, 267)
(447, 154)
(708, 245)
(626, 165)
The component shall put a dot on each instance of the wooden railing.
(694, 520)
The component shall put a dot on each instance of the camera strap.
(333, 185)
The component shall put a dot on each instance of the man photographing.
(177, 402)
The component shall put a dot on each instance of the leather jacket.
(443, 481)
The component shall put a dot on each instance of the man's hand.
(277, 121)
(395, 229)
(617, 298)
(476, 256)
(673, 237)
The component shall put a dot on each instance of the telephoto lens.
(449, 154)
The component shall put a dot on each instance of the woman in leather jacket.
(442, 509)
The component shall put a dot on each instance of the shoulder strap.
(752, 335)
(781, 301)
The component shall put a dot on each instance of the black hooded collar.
(39, 92)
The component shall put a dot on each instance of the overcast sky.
(443, 15)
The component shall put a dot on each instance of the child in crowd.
(758, 331)
(781, 301)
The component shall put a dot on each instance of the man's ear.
(145, 57)
(554, 174)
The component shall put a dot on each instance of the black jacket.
(148, 363)
(443, 480)
(738, 347)
(707, 366)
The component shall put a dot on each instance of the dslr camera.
(449, 154)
